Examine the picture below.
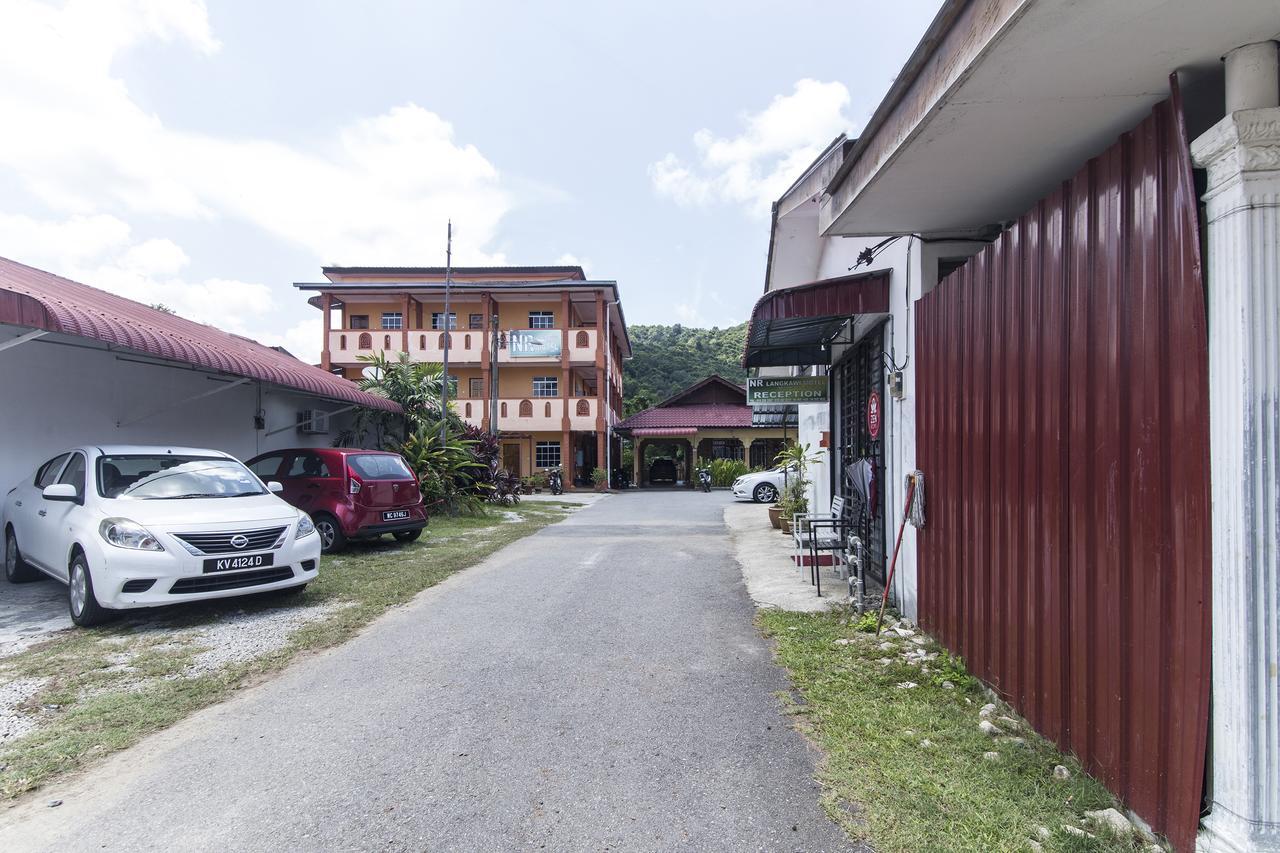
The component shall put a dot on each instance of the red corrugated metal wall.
(1063, 433)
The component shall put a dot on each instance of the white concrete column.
(1242, 155)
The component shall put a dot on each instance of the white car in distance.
(762, 486)
(127, 527)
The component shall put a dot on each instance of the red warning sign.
(873, 415)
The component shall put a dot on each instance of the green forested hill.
(668, 358)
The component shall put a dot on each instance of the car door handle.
(17, 503)
(43, 512)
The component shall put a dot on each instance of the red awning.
(41, 300)
(652, 432)
(792, 325)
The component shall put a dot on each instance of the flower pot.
(785, 524)
(775, 516)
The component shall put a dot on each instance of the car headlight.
(305, 526)
(124, 533)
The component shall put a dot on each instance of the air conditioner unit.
(313, 422)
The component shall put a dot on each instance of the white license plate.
(231, 564)
(395, 515)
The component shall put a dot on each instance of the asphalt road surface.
(597, 686)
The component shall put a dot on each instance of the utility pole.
(448, 337)
(493, 375)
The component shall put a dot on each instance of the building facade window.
(475, 387)
(584, 408)
(546, 454)
(466, 342)
(386, 342)
(359, 321)
(546, 386)
(542, 320)
(445, 337)
(392, 320)
(475, 321)
(342, 341)
(366, 341)
(468, 410)
(422, 341)
(526, 409)
(583, 340)
(437, 320)
(503, 413)
(546, 410)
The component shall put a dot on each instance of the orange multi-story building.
(535, 353)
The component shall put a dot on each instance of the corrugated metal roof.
(710, 416)
(42, 300)
(569, 270)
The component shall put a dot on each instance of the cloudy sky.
(208, 154)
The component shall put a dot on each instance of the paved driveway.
(597, 686)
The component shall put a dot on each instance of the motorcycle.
(556, 481)
(704, 479)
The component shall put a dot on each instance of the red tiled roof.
(710, 416)
(42, 300)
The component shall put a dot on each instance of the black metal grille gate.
(856, 376)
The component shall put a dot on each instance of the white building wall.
(913, 271)
(54, 396)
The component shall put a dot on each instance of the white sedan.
(761, 486)
(127, 527)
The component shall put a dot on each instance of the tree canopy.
(669, 358)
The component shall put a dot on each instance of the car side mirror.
(275, 487)
(60, 492)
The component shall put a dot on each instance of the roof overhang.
(33, 299)
(656, 432)
(795, 325)
(1003, 99)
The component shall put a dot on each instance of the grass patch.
(904, 766)
(105, 688)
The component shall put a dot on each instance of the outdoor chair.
(817, 534)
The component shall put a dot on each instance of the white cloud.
(756, 166)
(99, 250)
(568, 259)
(91, 158)
(369, 194)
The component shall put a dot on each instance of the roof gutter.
(906, 78)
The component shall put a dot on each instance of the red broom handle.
(893, 564)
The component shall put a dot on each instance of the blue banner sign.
(534, 343)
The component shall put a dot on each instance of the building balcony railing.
(533, 414)
(466, 345)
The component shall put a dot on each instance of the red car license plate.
(395, 515)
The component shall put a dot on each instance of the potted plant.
(786, 509)
(775, 516)
(600, 478)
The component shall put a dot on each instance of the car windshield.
(169, 477)
(379, 466)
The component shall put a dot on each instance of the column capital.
(1242, 145)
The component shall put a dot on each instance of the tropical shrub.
(725, 471)
(445, 470)
(506, 488)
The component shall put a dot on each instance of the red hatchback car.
(349, 493)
